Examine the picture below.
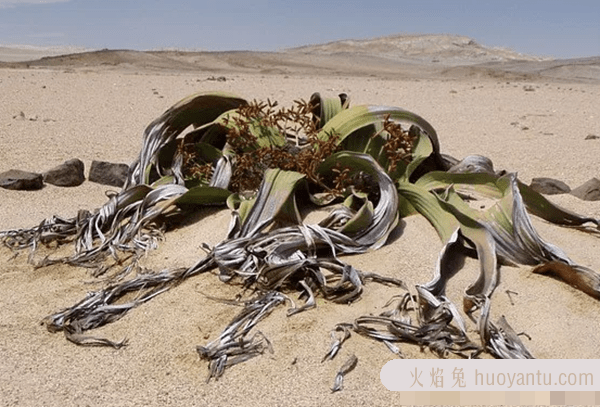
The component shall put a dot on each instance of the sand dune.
(532, 117)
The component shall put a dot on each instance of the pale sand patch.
(101, 115)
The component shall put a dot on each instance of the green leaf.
(405, 208)
(360, 221)
(422, 149)
(538, 205)
(499, 339)
(429, 206)
(495, 187)
(517, 241)
(196, 110)
(480, 184)
(199, 109)
(241, 205)
(385, 213)
(326, 108)
(348, 121)
(275, 200)
(265, 136)
(167, 179)
(364, 140)
(214, 133)
(131, 195)
(203, 195)
(478, 234)
(207, 153)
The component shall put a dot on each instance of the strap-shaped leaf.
(517, 241)
(360, 221)
(484, 244)
(433, 293)
(480, 184)
(385, 213)
(207, 153)
(580, 277)
(264, 135)
(538, 205)
(428, 205)
(275, 198)
(422, 150)
(324, 109)
(203, 195)
(269, 248)
(348, 121)
(502, 343)
(494, 187)
(196, 110)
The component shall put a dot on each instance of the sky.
(560, 29)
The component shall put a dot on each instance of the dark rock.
(549, 186)
(68, 174)
(592, 137)
(588, 191)
(106, 173)
(21, 180)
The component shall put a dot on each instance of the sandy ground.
(99, 114)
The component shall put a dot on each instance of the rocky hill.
(406, 56)
(443, 49)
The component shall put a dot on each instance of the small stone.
(106, 173)
(588, 191)
(21, 180)
(549, 186)
(217, 78)
(68, 174)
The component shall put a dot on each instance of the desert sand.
(529, 116)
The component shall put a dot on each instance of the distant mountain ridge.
(447, 49)
(17, 52)
(406, 56)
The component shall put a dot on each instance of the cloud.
(15, 3)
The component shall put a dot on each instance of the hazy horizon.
(540, 28)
